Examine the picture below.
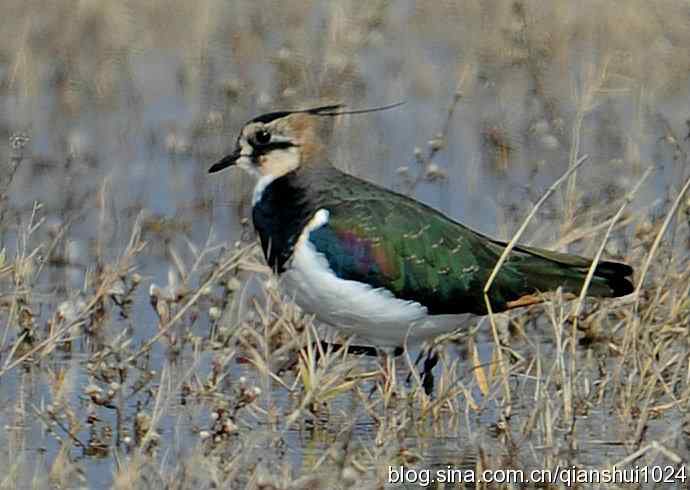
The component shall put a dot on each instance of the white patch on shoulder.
(372, 314)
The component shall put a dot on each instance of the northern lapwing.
(375, 263)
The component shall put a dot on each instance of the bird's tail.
(548, 270)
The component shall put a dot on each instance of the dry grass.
(139, 350)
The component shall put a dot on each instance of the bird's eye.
(262, 137)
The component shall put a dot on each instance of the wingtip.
(621, 286)
(617, 275)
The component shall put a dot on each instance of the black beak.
(225, 162)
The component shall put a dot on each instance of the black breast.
(279, 217)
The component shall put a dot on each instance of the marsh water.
(125, 108)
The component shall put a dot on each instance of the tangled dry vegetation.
(204, 376)
(242, 384)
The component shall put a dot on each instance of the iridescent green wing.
(389, 241)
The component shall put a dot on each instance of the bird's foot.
(428, 373)
(427, 378)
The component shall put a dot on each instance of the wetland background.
(143, 343)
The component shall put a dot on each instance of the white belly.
(372, 315)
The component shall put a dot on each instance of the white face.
(265, 151)
(275, 144)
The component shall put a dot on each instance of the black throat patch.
(279, 217)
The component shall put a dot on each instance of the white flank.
(373, 315)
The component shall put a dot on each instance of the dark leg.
(427, 374)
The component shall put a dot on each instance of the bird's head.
(274, 144)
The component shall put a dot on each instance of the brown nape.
(312, 134)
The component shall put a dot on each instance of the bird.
(375, 264)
